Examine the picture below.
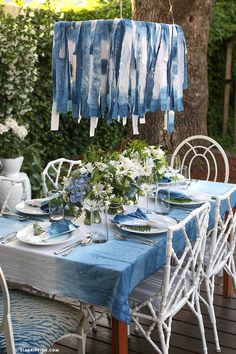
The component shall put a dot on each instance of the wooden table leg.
(119, 337)
(227, 285)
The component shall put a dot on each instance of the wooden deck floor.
(185, 337)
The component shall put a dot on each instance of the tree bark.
(194, 17)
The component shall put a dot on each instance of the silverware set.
(138, 239)
(7, 238)
(68, 249)
(21, 217)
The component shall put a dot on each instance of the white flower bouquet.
(115, 178)
(12, 137)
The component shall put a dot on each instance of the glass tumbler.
(55, 204)
(162, 198)
(99, 232)
(184, 172)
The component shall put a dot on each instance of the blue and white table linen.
(120, 67)
(101, 274)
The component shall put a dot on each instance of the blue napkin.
(165, 180)
(174, 195)
(60, 227)
(131, 219)
(45, 206)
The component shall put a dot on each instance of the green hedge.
(72, 139)
(223, 29)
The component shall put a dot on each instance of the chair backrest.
(5, 322)
(221, 238)
(54, 172)
(183, 259)
(204, 157)
(7, 192)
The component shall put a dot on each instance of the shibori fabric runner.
(118, 68)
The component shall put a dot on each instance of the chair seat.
(152, 285)
(38, 322)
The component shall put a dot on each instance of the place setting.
(54, 229)
(139, 226)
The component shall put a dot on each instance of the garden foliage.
(223, 30)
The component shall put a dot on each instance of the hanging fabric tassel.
(117, 68)
(135, 120)
(171, 119)
(93, 125)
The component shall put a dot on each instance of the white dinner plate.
(26, 235)
(25, 208)
(163, 220)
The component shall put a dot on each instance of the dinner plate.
(25, 208)
(26, 235)
(163, 220)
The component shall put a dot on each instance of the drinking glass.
(55, 204)
(184, 173)
(98, 221)
(148, 189)
(100, 231)
(162, 205)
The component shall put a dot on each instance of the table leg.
(119, 337)
(227, 285)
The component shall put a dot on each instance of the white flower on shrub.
(3, 128)
(20, 131)
(11, 123)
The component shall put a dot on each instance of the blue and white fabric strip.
(117, 68)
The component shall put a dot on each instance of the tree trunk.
(194, 17)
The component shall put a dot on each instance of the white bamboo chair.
(10, 184)
(200, 149)
(160, 296)
(219, 253)
(30, 323)
(54, 172)
(52, 176)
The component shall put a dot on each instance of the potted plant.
(12, 137)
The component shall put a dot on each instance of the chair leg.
(200, 323)
(9, 336)
(81, 344)
(164, 347)
(231, 270)
(210, 307)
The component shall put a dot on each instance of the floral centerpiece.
(115, 178)
(12, 137)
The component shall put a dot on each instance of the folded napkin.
(60, 227)
(138, 218)
(45, 206)
(165, 179)
(190, 196)
(172, 176)
(173, 195)
(39, 203)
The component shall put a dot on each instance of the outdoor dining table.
(99, 274)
